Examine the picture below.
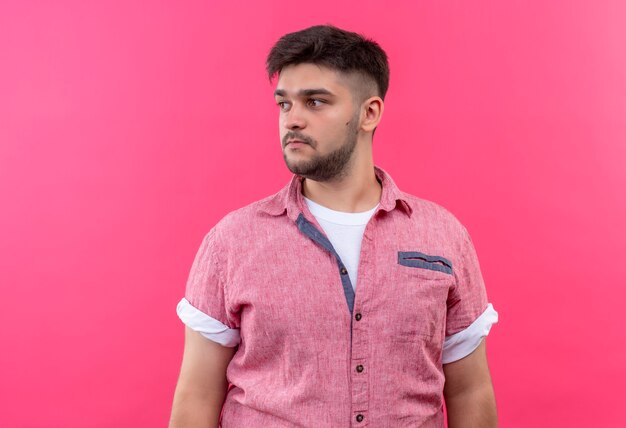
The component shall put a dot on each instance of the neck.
(356, 191)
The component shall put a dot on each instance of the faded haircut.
(334, 48)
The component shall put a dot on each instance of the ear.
(372, 110)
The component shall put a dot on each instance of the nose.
(294, 118)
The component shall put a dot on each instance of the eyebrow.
(304, 92)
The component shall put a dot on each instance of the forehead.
(295, 78)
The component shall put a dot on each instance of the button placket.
(360, 337)
(313, 233)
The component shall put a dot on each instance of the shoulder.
(246, 218)
(435, 217)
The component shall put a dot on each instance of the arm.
(202, 383)
(470, 400)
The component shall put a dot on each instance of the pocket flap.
(424, 261)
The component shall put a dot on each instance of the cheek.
(337, 131)
(281, 127)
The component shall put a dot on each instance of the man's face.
(319, 121)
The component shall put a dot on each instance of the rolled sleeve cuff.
(464, 342)
(207, 326)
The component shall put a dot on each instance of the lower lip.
(295, 145)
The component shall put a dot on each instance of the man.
(340, 300)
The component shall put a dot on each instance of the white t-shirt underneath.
(345, 232)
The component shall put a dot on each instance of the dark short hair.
(334, 48)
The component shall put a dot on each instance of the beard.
(328, 167)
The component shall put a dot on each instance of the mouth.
(295, 143)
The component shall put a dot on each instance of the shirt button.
(358, 317)
(359, 417)
(359, 368)
(344, 271)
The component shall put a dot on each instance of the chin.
(295, 167)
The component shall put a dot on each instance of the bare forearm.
(202, 384)
(192, 411)
(472, 409)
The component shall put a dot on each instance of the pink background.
(129, 128)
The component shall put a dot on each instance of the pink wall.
(127, 129)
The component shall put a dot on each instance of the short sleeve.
(467, 299)
(205, 288)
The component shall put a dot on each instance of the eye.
(314, 102)
(283, 105)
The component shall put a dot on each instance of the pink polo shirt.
(313, 352)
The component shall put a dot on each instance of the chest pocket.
(423, 282)
(424, 261)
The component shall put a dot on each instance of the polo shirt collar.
(290, 197)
